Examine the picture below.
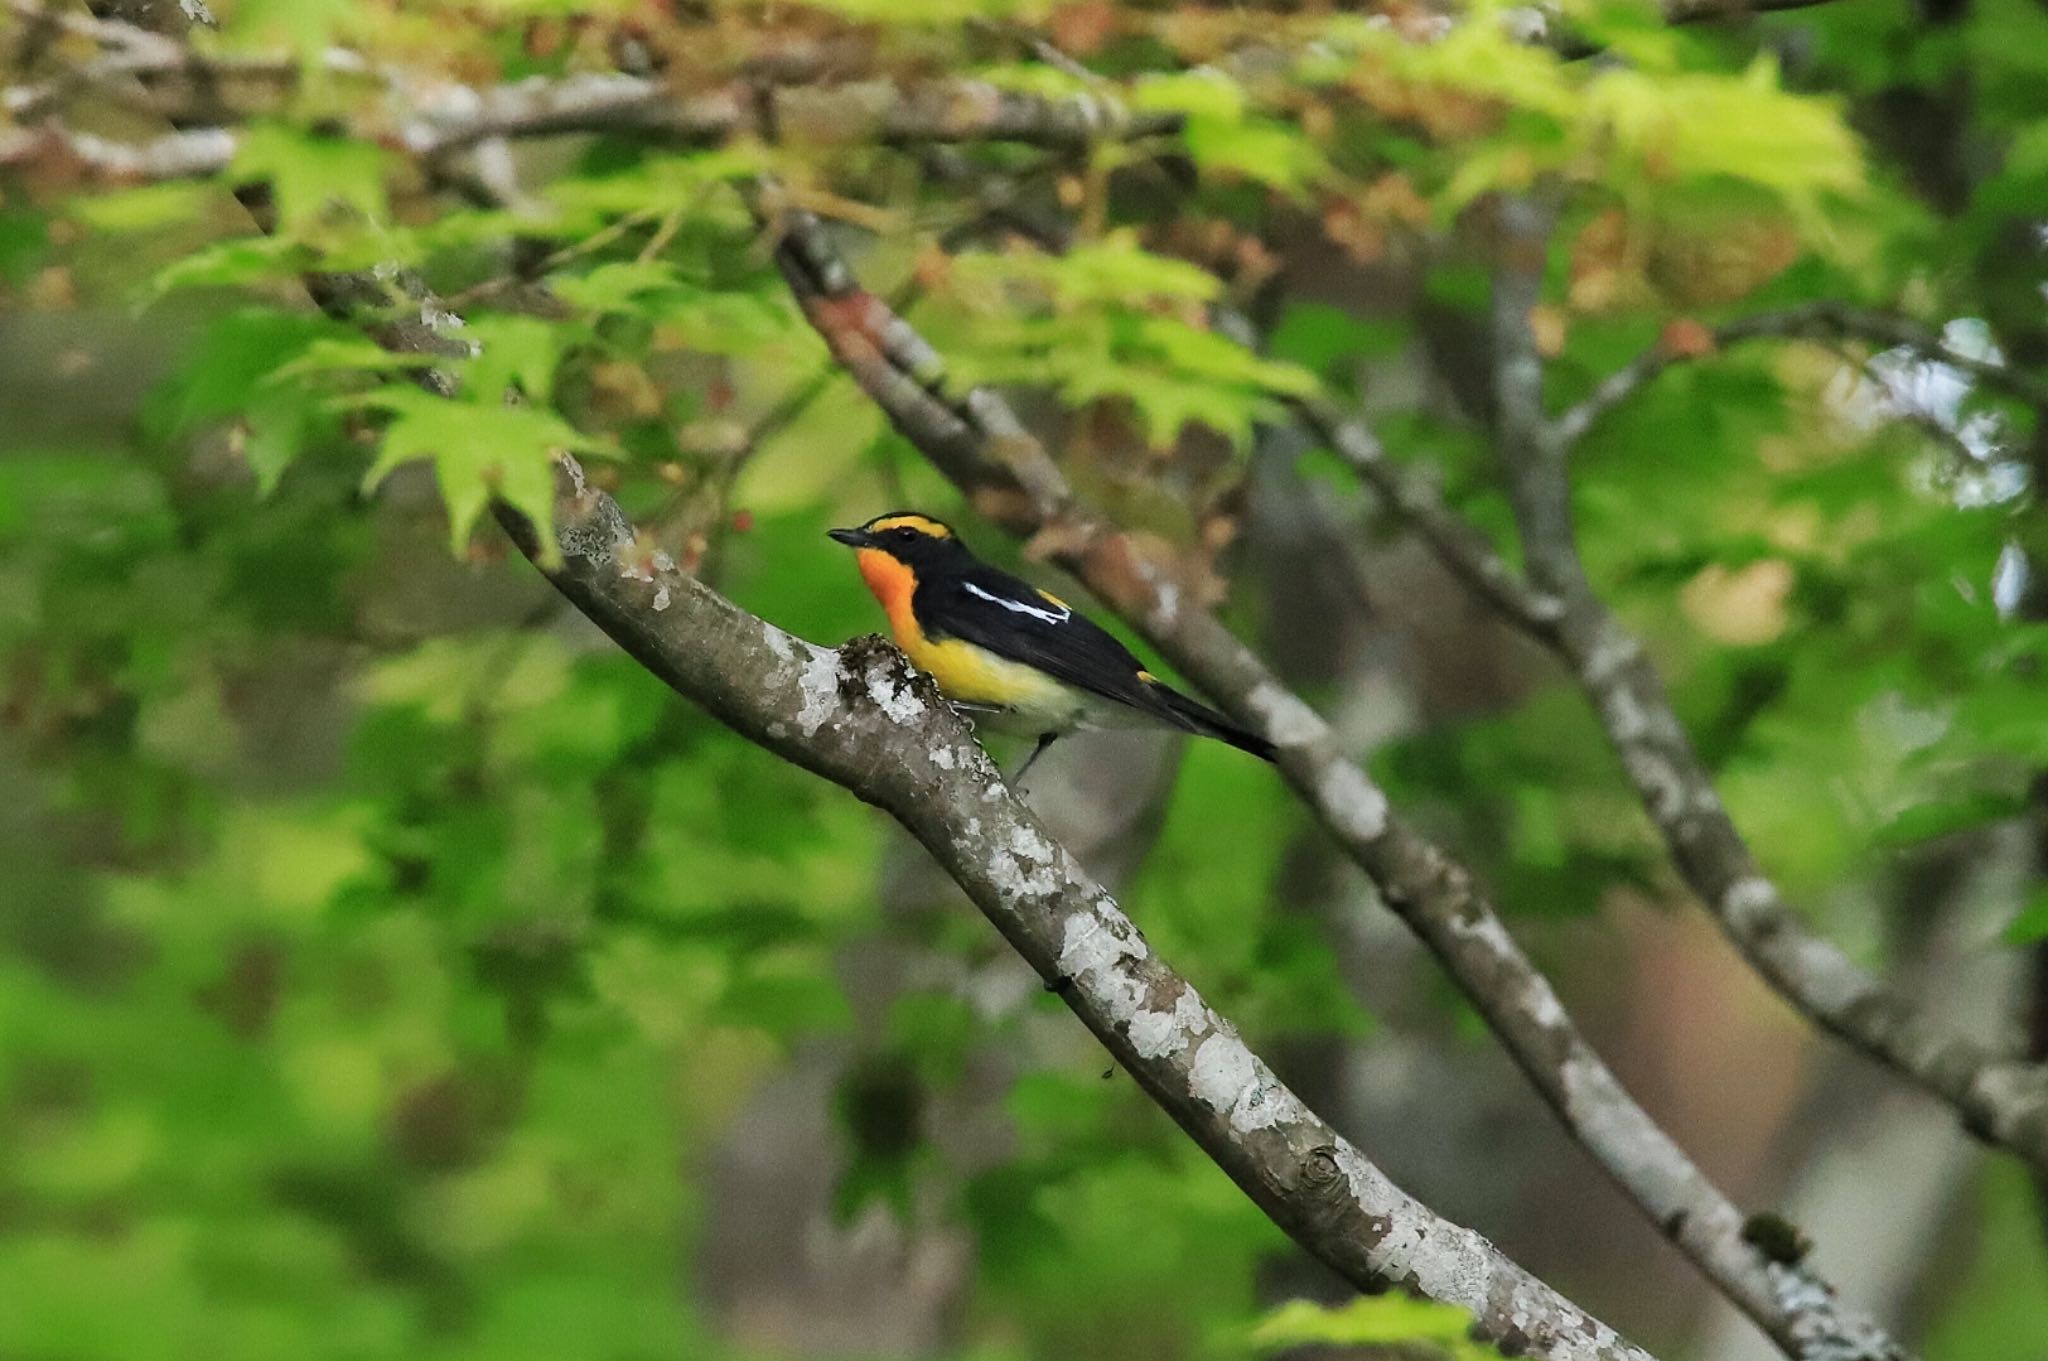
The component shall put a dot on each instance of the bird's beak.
(852, 538)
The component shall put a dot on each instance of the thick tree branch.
(980, 445)
(2000, 1097)
(861, 718)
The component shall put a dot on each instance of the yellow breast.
(965, 672)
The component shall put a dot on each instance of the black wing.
(1014, 619)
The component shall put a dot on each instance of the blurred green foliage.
(383, 958)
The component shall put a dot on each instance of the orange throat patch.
(892, 582)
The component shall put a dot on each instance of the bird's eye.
(905, 535)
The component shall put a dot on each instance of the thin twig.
(1460, 547)
(1820, 320)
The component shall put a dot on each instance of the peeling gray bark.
(860, 717)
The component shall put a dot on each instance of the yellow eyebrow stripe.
(917, 522)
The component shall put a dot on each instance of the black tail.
(1196, 716)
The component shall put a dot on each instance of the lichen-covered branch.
(859, 716)
(2000, 1097)
(977, 441)
(430, 115)
(172, 156)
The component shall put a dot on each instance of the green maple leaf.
(479, 451)
(309, 174)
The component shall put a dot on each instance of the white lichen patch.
(1610, 652)
(1624, 717)
(1161, 1034)
(1223, 1067)
(1028, 845)
(818, 684)
(1166, 607)
(1265, 1105)
(1154, 1035)
(1093, 949)
(1487, 930)
(942, 757)
(1024, 866)
(1447, 1262)
(1016, 878)
(1228, 1078)
(1353, 804)
(600, 531)
(1822, 1329)
(1089, 943)
(1453, 1265)
(1539, 1000)
(1657, 781)
(1116, 993)
(892, 695)
(1288, 722)
(1747, 897)
(1830, 984)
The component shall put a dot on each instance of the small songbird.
(1022, 660)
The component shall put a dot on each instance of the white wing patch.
(1050, 613)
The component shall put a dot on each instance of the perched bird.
(1022, 660)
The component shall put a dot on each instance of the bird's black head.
(907, 536)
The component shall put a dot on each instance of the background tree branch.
(1822, 320)
(979, 443)
(2000, 1096)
